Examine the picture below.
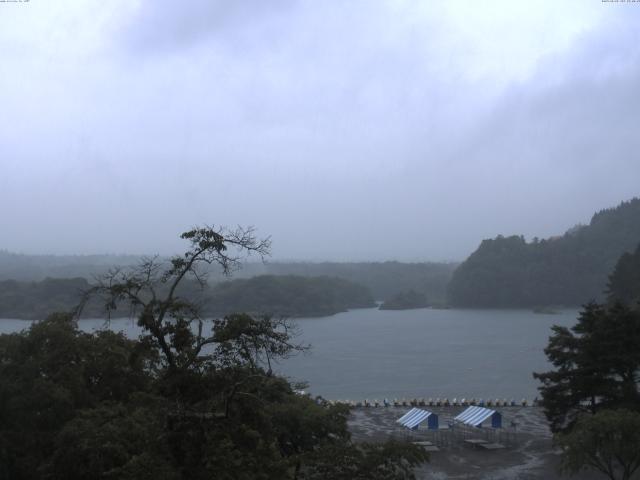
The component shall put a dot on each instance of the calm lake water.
(370, 353)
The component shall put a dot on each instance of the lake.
(370, 353)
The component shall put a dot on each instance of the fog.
(359, 130)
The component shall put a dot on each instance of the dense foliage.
(75, 405)
(182, 402)
(567, 270)
(405, 301)
(596, 365)
(277, 295)
(52, 374)
(608, 442)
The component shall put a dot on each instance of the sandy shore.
(528, 452)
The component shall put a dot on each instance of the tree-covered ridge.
(566, 270)
(21, 267)
(277, 295)
(35, 300)
(383, 279)
(287, 295)
(405, 301)
(624, 282)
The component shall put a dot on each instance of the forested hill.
(287, 295)
(568, 270)
(383, 279)
(624, 282)
(277, 295)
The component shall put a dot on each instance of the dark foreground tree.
(180, 402)
(596, 365)
(171, 322)
(592, 397)
(51, 373)
(392, 460)
(608, 442)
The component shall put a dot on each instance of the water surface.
(370, 353)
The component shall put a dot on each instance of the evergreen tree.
(596, 365)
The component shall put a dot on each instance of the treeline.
(567, 270)
(275, 295)
(287, 295)
(506, 272)
(35, 300)
(15, 266)
(383, 279)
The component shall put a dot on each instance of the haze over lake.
(370, 353)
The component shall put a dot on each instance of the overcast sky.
(346, 130)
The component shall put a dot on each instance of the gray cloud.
(562, 145)
(351, 130)
(159, 27)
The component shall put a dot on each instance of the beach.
(528, 451)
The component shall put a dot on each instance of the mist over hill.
(506, 271)
(383, 279)
(282, 295)
(21, 267)
(566, 270)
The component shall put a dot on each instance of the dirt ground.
(528, 452)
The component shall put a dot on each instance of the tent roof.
(475, 415)
(413, 417)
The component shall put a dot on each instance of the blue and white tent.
(475, 416)
(414, 417)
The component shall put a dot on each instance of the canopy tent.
(474, 416)
(414, 417)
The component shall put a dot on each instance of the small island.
(405, 301)
(545, 311)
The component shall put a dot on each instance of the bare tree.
(151, 290)
(255, 342)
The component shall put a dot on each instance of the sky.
(345, 130)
